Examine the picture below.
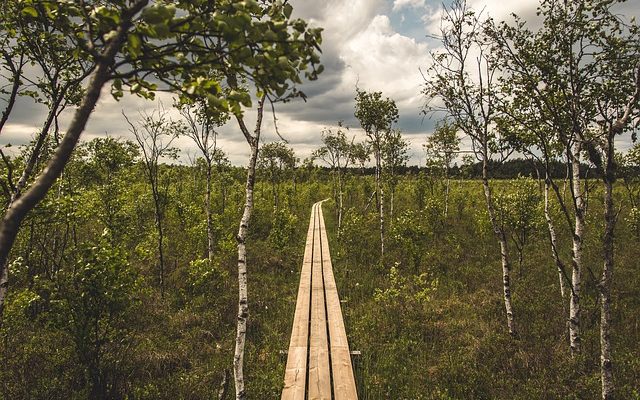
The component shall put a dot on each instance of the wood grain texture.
(319, 375)
(344, 386)
(319, 362)
(296, 370)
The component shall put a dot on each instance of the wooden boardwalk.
(318, 361)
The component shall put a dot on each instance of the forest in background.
(124, 275)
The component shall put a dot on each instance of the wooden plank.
(296, 369)
(319, 386)
(344, 385)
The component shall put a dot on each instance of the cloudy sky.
(380, 45)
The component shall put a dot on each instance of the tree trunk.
(446, 197)
(275, 194)
(576, 251)
(504, 254)
(243, 305)
(207, 204)
(160, 244)
(393, 192)
(380, 195)
(10, 224)
(4, 287)
(553, 238)
(224, 385)
(610, 217)
(340, 201)
(243, 308)
(606, 365)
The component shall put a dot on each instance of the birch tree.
(154, 135)
(253, 140)
(582, 69)
(614, 121)
(376, 115)
(441, 150)
(276, 160)
(461, 84)
(536, 68)
(337, 152)
(395, 154)
(40, 64)
(275, 80)
(201, 129)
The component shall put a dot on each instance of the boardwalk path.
(319, 362)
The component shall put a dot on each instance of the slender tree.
(395, 154)
(253, 140)
(462, 77)
(441, 150)
(276, 160)
(202, 123)
(337, 153)
(614, 120)
(376, 115)
(155, 135)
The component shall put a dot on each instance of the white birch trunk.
(380, 193)
(553, 238)
(610, 217)
(606, 364)
(446, 197)
(340, 201)
(504, 251)
(576, 251)
(207, 204)
(243, 304)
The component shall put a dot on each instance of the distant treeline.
(506, 170)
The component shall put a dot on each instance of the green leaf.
(134, 43)
(30, 11)
(288, 8)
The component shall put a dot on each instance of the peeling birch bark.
(553, 238)
(576, 250)
(243, 304)
(608, 238)
(380, 193)
(606, 364)
(504, 250)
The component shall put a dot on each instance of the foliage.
(520, 212)
(442, 148)
(277, 161)
(395, 155)
(376, 115)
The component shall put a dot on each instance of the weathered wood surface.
(296, 373)
(344, 387)
(318, 362)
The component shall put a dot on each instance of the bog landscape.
(499, 260)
